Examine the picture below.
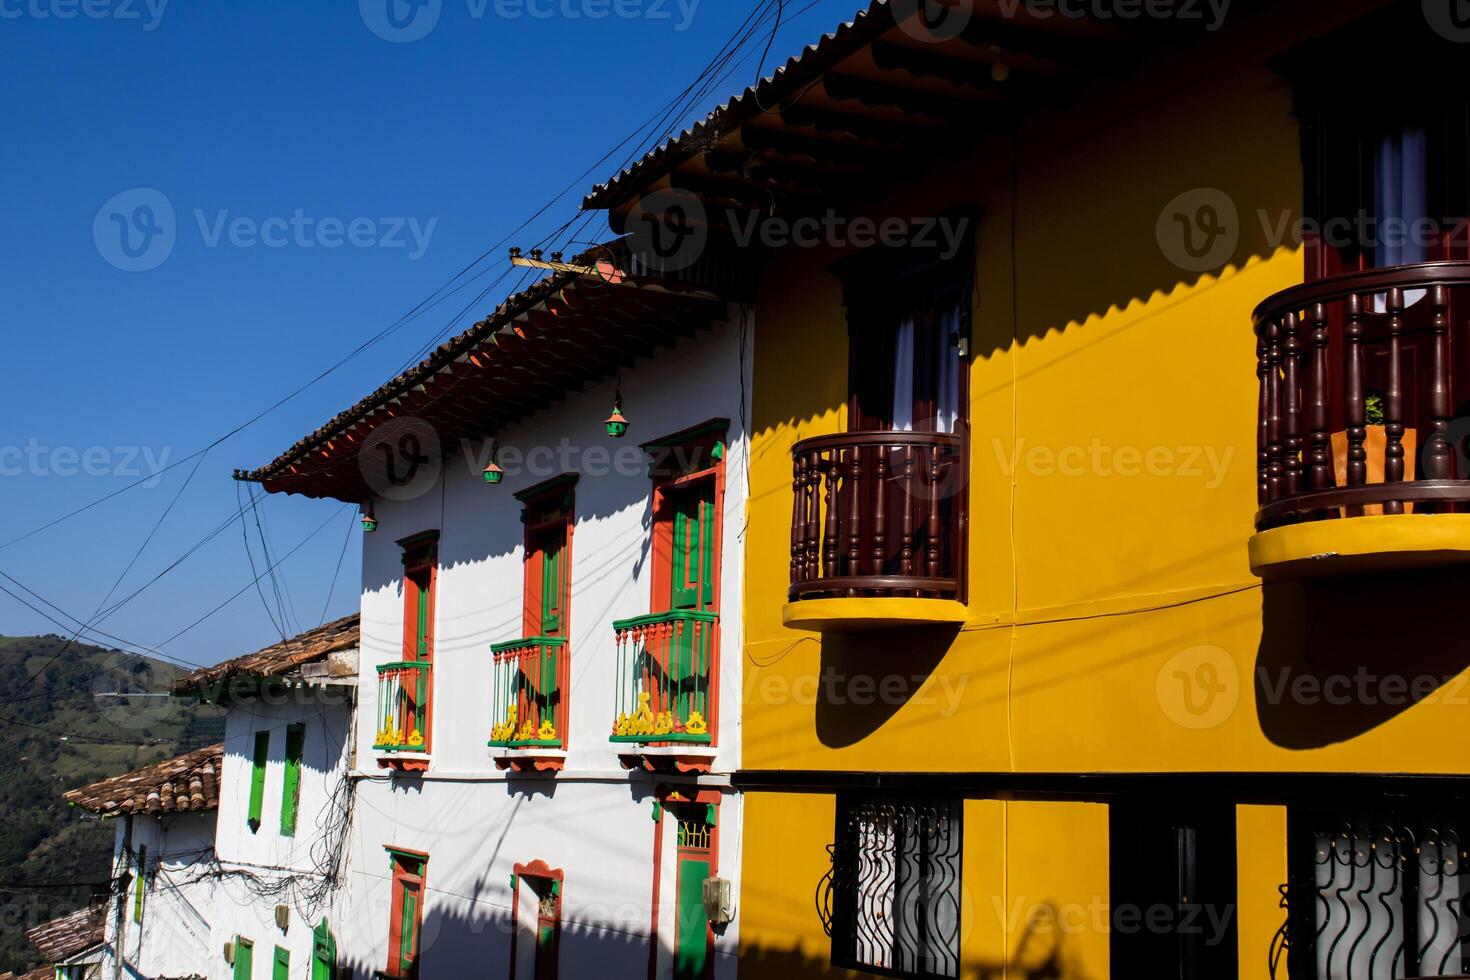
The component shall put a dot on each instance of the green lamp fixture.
(493, 473)
(369, 521)
(617, 424)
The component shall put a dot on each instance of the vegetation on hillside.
(86, 716)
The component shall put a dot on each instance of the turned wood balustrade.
(877, 514)
(1323, 349)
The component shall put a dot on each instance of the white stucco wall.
(594, 819)
(173, 938)
(265, 868)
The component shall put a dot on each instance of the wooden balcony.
(877, 530)
(402, 737)
(1363, 422)
(529, 703)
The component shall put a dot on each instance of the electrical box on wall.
(719, 901)
(230, 953)
(283, 917)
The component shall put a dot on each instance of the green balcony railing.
(530, 708)
(403, 707)
(666, 671)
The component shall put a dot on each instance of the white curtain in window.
(947, 399)
(903, 376)
(1400, 201)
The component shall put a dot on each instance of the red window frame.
(548, 507)
(420, 599)
(410, 869)
(682, 464)
(546, 959)
(420, 585)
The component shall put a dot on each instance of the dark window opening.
(896, 886)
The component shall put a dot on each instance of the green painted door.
(692, 929)
(282, 969)
(408, 941)
(244, 959)
(323, 953)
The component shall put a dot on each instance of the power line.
(346, 540)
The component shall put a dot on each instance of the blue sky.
(327, 169)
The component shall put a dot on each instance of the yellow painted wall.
(1260, 840)
(1033, 896)
(1114, 625)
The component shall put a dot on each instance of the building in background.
(284, 806)
(157, 923)
(72, 945)
(1108, 523)
(551, 592)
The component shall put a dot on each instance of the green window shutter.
(257, 778)
(553, 583)
(291, 786)
(694, 554)
(421, 644)
(707, 550)
(282, 969)
(683, 597)
(140, 883)
(244, 959)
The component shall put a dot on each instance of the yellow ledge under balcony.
(1377, 543)
(845, 615)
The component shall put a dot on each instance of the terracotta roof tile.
(185, 784)
(69, 935)
(279, 658)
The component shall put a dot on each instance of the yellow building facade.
(1162, 737)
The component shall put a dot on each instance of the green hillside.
(78, 721)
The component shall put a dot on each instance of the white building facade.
(157, 922)
(549, 692)
(558, 841)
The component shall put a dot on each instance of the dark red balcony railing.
(877, 514)
(1335, 354)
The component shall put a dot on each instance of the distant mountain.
(91, 714)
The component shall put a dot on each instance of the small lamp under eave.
(493, 473)
(617, 425)
(369, 521)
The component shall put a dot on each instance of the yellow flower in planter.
(665, 723)
(623, 726)
(696, 724)
(547, 731)
(527, 732)
(416, 738)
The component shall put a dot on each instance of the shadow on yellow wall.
(847, 712)
(1339, 658)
